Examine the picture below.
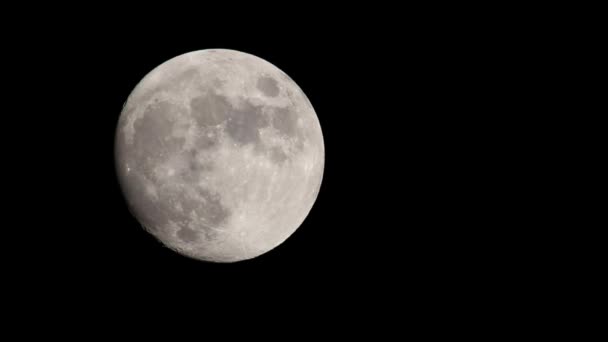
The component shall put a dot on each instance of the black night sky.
(404, 208)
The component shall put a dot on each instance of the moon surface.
(219, 155)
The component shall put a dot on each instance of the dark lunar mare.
(152, 145)
(268, 86)
(243, 123)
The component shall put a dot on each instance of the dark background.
(451, 133)
(406, 211)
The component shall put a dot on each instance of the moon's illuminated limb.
(219, 154)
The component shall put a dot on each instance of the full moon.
(219, 155)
